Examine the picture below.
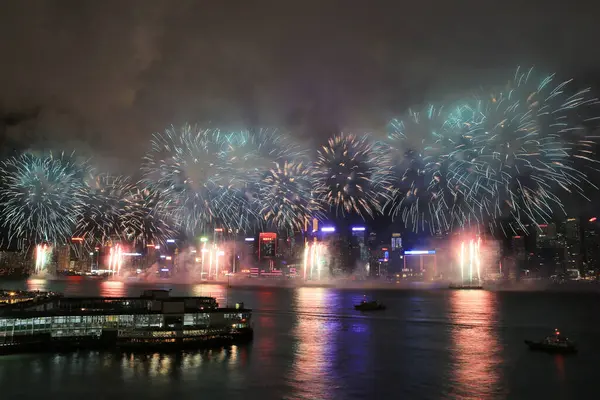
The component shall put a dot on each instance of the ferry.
(153, 321)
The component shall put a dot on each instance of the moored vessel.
(154, 320)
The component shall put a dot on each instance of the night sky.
(102, 76)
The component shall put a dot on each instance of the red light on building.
(77, 239)
(218, 229)
(384, 249)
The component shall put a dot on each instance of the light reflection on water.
(475, 348)
(37, 284)
(312, 366)
(112, 289)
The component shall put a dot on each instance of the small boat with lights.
(369, 306)
(34, 321)
(556, 343)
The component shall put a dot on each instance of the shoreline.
(495, 286)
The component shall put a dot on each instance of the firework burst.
(416, 150)
(202, 177)
(286, 196)
(521, 147)
(102, 216)
(42, 196)
(146, 218)
(349, 176)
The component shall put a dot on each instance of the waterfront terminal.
(42, 321)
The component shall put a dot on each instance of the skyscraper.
(591, 246)
(549, 248)
(396, 262)
(359, 245)
(267, 248)
(572, 230)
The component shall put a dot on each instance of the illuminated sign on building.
(267, 245)
(418, 252)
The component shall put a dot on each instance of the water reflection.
(37, 284)
(312, 370)
(113, 289)
(217, 291)
(475, 348)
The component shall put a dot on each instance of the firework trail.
(102, 218)
(286, 196)
(522, 146)
(42, 197)
(349, 176)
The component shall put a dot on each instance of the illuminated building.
(572, 231)
(63, 256)
(379, 264)
(396, 241)
(359, 245)
(519, 258)
(250, 252)
(267, 248)
(549, 249)
(79, 256)
(591, 246)
(338, 250)
(396, 262)
(372, 241)
(419, 264)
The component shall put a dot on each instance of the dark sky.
(102, 76)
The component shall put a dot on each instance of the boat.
(369, 306)
(466, 286)
(153, 321)
(553, 344)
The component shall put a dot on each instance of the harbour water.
(311, 344)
